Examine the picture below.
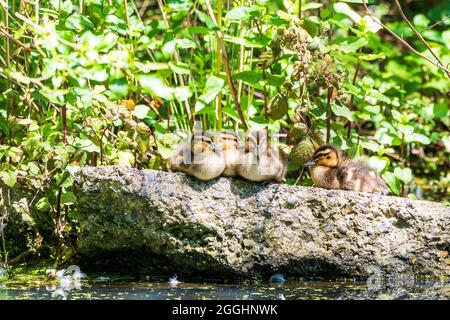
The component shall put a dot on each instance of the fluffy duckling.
(199, 157)
(231, 147)
(260, 161)
(331, 170)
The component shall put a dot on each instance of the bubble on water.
(277, 278)
(174, 281)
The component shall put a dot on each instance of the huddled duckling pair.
(207, 156)
(332, 170)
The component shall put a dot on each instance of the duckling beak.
(309, 163)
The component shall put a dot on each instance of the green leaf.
(344, 8)
(275, 80)
(68, 198)
(371, 56)
(86, 145)
(9, 177)
(396, 115)
(311, 6)
(240, 13)
(65, 179)
(250, 77)
(185, 43)
(446, 142)
(180, 68)
(406, 130)
(213, 86)
(206, 19)
(440, 110)
(353, 46)
(164, 151)
(370, 145)
(417, 137)
(106, 42)
(378, 163)
(392, 182)
(148, 66)
(379, 96)
(421, 21)
(404, 175)
(43, 204)
(125, 158)
(119, 87)
(446, 38)
(140, 111)
(182, 93)
(371, 24)
(342, 111)
(155, 85)
(67, 7)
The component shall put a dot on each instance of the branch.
(227, 65)
(435, 24)
(419, 36)
(406, 44)
(6, 34)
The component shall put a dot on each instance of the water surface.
(304, 289)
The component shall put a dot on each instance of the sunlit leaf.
(404, 175)
(344, 8)
(392, 182)
(342, 111)
(140, 111)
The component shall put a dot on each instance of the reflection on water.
(105, 288)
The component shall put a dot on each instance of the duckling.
(230, 146)
(332, 170)
(260, 161)
(199, 157)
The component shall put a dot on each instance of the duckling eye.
(328, 157)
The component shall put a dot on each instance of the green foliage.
(90, 83)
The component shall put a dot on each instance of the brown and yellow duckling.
(261, 161)
(332, 170)
(230, 148)
(200, 157)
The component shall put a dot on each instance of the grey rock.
(230, 229)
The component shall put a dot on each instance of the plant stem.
(226, 66)
(177, 59)
(299, 9)
(219, 67)
(403, 167)
(330, 92)
(125, 4)
(352, 96)
(330, 32)
(4, 216)
(64, 123)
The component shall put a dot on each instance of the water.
(106, 288)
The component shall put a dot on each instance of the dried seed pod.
(317, 138)
(278, 106)
(302, 152)
(266, 59)
(298, 132)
